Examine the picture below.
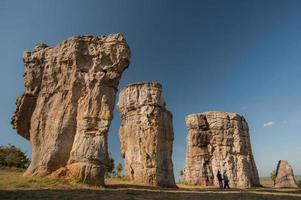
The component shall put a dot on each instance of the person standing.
(226, 181)
(207, 181)
(220, 179)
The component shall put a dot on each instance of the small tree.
(273, 176)
(110, 165)
(114, 173)
(181, 175)
(119, 169)
(11, 156)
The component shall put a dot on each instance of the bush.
(273, 176)
(110, 165)
(119, 169)
(11, 156)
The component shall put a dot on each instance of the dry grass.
(12, 179)
(14, 186)
(266, 182)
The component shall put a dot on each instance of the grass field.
(14, 186)
(267, 181)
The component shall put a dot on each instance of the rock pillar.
(285, 176)
(219, 141)
(146, 135)
(66, 108)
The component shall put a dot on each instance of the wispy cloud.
(269, 124)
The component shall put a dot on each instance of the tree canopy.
(12, 156)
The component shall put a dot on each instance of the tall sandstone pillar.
(66, 109)
(146, 135)
(219, 141)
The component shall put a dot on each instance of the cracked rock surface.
(146, 135)
(66, 108)
(219, 141)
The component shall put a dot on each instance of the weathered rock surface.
(67, 105)
(285, 176)
(219, 141)
(146, 135)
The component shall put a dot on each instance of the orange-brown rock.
(219, 141)
(66, 108)
(146, 135)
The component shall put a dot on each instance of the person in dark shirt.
(220, 179)
(226, 181)
(207, 181)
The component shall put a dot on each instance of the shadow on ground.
(14, 186)
(131, 192)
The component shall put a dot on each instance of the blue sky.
(237, 56)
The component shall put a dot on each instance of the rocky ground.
(14, 186)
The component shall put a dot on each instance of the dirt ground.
(14, 186)
(148, 194)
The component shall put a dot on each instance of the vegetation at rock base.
(12, 156)
(273, 176)
(119, 169)
(110, 165)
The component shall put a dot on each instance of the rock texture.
(219, 141)
(146, 135)
(285, 176)
(67, 105)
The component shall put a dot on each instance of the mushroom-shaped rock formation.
(285, 176)
(67, 105)
(146, 135)
(219, 141)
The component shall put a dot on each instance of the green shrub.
(11, 156)
(110, 165)
(119, 169)
(273, 176)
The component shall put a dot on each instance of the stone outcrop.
(219, 141)
(67, 105)
(285, 176)
(146, 135)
